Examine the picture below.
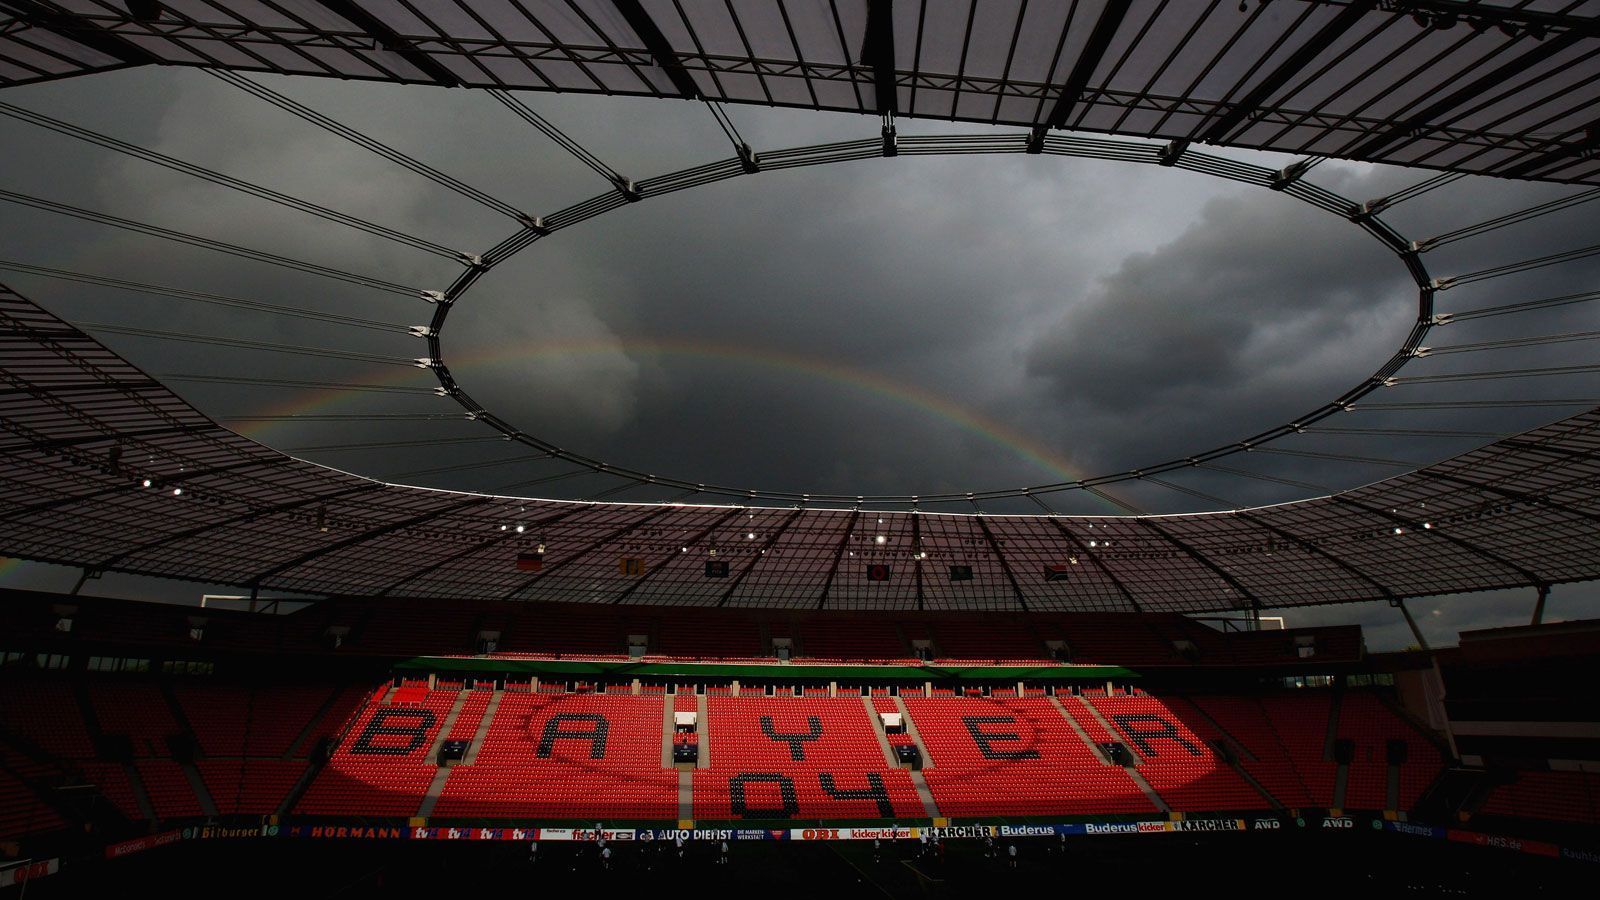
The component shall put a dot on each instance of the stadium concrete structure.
(683, 663)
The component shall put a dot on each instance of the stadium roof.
(106, 469)
(1485, 87)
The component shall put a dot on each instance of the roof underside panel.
(1493, 88)
(105, 469)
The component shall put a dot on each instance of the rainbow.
(1057, 466)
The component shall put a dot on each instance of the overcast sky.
(913, 326)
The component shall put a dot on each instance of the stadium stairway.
(1232, 750)
(1102, 727)
(929, 807)
(703, 761)
(430, 797)
(482, 731)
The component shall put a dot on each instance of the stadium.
(259, 645)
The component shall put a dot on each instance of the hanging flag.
(716, 568)
(877, 572)
(631, 565)
(1057, 572)
(530, 562)
(960, 573)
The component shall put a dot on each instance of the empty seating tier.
(567, 756)
(814, 757)
(1176, 751)
(1015, 757)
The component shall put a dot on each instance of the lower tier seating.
(798, 758)
(1562, 796)
(1178, 759)
(567, 756)
(1015, 757)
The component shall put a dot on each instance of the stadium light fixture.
(521, 529)
(880, 539)
(147, 482)
(177, 492)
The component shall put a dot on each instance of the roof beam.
(1414, 125)
(364, 536)
(916, 554)
(1586, 145)
(1311, 547)
(251, 516)
(765, 546)
(660, 50)
(1518, 496)
(1289, 68)
(877, 51)
(131, 486)
(429, 569)
(1202, 559)
(1094, 560)
(1471, 548)
(694, 541)
(1005, 565)
(73, 28)
(137, 434)
(838, 556)
(1105, 28)
(389, 40)
(613, 535)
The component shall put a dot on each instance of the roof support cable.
(172, 293)
(465, 467)
(1211, 498)
(299, 385)
(626, 485)
(1113, 500)
(243, 344)
(747, 157)
(1321, 489)
(522, 111)
(1378, 204)
(1339, 457)
(344, 131)
(1409, 432)
(1589, 402)
(547, 479)
(385, 445)
(1527, 265)
(1565, 337)
(1486, 376)
(1507, 220)
(347, 417)
(1513, 308)
(217, 178)
(1048, 509)
(193, 240)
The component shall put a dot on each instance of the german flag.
(530, 562)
